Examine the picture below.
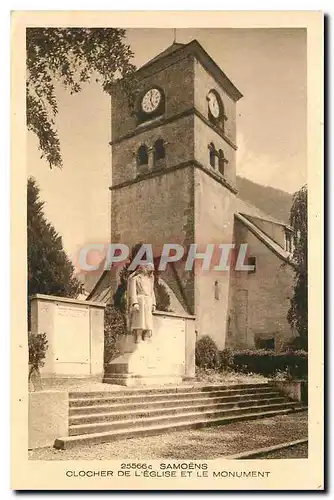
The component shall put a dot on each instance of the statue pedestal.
(166, 358)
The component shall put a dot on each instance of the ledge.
(264, 451)
(162, 120)
(174, 315)
(54, 298)
(167, 170)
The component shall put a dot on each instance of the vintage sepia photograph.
(167, 235)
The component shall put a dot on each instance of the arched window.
(212, 154)
(221, 162)
(159, 150)
(142, 155)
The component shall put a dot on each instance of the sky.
(268, 66)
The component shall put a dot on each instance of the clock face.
(151, 100)
(214, 104)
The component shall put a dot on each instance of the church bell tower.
(174, 170)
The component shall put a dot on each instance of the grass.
(228, 377)
(193, 444)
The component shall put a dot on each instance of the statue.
(141, 302)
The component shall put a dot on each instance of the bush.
(206, 353)
(295, 344)
(114, 326)
(37, 345)
(293, 363)
(226, 359)
(161, 295)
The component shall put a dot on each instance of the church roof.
(266, 218)
(103, 292)
(166, 52)
(195, 48)
(262, 236)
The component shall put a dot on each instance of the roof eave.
(210, 65)
(265, 239)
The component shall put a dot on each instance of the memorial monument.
(141, 302)
(158, 347)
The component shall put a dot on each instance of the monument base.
(132, 380)
(168, 357)
(143, 363)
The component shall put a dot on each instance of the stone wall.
(177, 82)
(204, 135)
(75, 334)
(214, 214)
(204, 82)
(259, 301)
(275, 231)
(124, 158)
(158, 210)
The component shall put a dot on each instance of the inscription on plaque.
(72, 341)
(74, 312)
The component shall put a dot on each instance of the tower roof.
(164, 53)
(195, 48)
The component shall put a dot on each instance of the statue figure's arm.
(153, 296)
(133, 299)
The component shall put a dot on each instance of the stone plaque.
(72, 334)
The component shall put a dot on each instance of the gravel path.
(298, 451)
(193, 444)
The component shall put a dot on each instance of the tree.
(114, 327)
(70, 56)
(161, 295)
(298, 313)
(49, 269)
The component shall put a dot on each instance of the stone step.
(114, 398)
(167, 389)
(67, 442)
(166, 403)
(191, 416)
(112, 416)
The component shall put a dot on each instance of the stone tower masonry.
(174, 170)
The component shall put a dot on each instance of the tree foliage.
(71, 57)
(49, 269)
(114, 327)
(297, 314)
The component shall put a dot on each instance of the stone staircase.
(98, 417)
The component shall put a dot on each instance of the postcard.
(167, 250)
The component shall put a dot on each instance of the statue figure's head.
(147, 269)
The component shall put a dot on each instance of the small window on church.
(217, 290)
(288, 241)
(142, 155)
(268, 344)
(159, 150)
(221, 162)
(212, 155)
(251, 261)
